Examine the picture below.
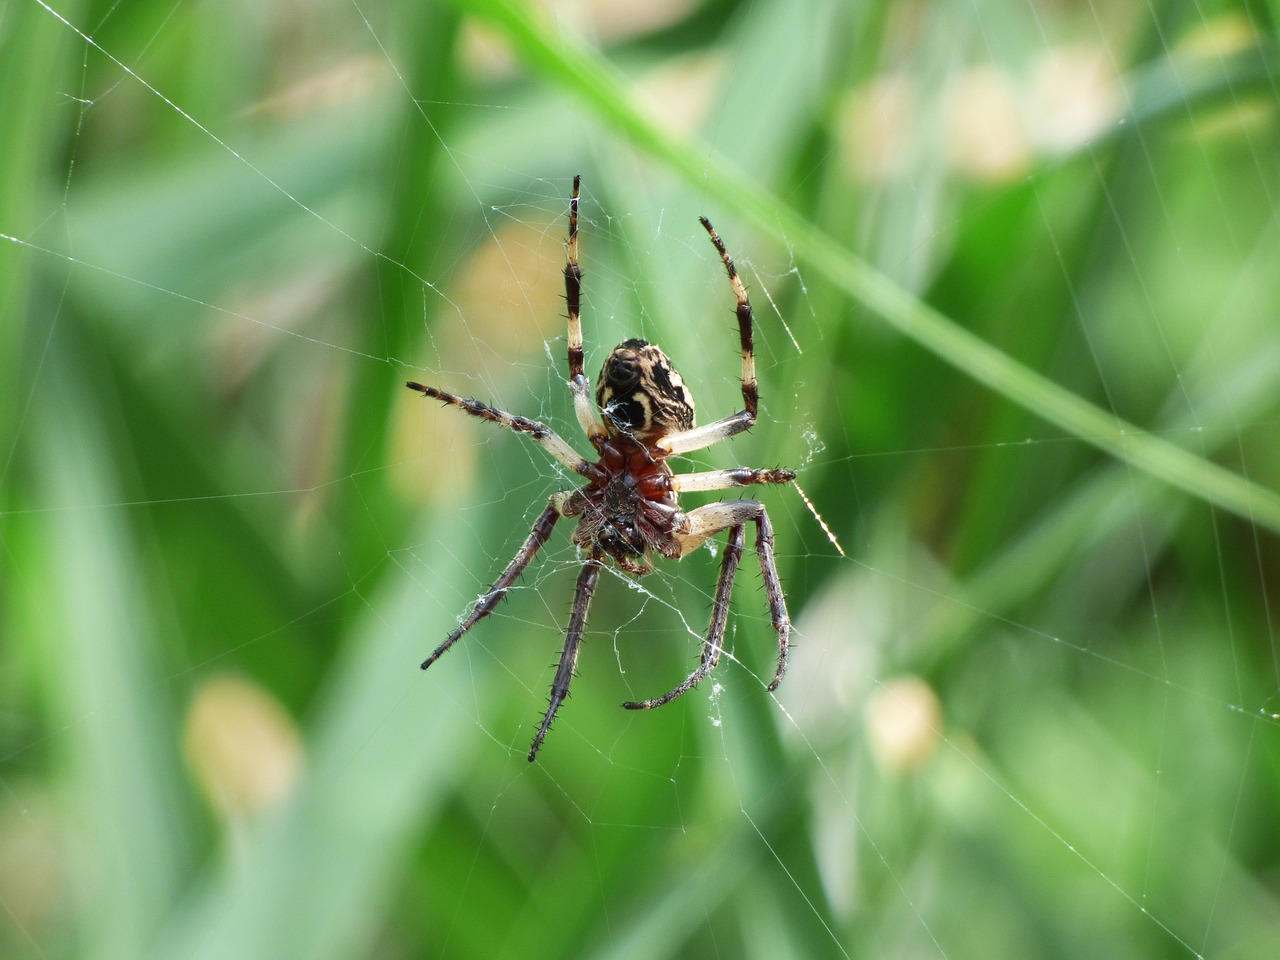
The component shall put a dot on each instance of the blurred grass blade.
(124, 787)
(376, 771)
(1081, 521)
(559, 56)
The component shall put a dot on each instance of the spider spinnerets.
(628, 509)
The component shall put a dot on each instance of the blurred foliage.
(1013, 264)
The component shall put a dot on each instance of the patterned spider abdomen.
(640, 393)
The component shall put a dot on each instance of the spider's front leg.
(540, 433)
(583, 408)
(686, 441)
(702, 524)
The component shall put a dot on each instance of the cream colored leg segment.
(583, 405)
(725, 479)
(705, 522)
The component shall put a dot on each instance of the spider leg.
(724, 479)
(706, 522)
(485, 605)
(773, 590)
(578, 383)
(715, 631)
(542, 435)
(572, 641)
(687, 441)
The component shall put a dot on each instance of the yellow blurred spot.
(33, 877)
(510, 294)
(485, 52)
(242, 746)
(598, 21)
(682, 91)
(904, 722)
(875, 128)
(622, 19)
(1219, 37)
(986, 139)
(433, 450)
(1075, 96)
(509, 300)
(337, 85)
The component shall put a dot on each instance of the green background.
(1014, 266)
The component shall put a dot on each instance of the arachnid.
(628, 510)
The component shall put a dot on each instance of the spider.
(628, 510)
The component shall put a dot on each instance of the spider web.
(1040, 688)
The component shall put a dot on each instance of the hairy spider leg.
(583, 406)
(681, 533)
(725, 479)
(702, 524)
(542, 435)
(573, 289)
(573, 640)
(687, 441)
(541, 532)
(715, 630)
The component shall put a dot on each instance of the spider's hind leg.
(704, 523)
(572, 641)
(715, 631)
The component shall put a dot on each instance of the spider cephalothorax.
(628, 509)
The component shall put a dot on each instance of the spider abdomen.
(640, 393)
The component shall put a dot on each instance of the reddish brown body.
(628, 505)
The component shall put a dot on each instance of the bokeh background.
(1015, 269)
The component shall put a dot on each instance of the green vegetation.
(1014, 269)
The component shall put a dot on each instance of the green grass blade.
(377, 767)
(100, 672)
